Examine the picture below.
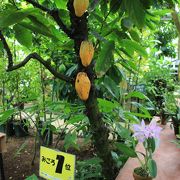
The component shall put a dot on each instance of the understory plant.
(148, 135)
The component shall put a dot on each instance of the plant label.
(56, 165)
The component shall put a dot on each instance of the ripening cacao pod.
(80, 6)
(82, 85)
(86, 53)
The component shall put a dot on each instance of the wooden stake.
(3, 149)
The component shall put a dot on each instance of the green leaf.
(4, 116)
(1, 45)
(99, 18)
(105, 59)
(71, 141)
(136, 11)
(40, 21)
(127, 23)
(104, 7)
(116, 74)
(152, 168)
(33, 177)
(115, 5)
(151, 144)
(161, 12)
(141, 115)
(36, 28)
(134, 46)
(13, 17)
(111, 86)
(130, 117)
(134, 35)
(76, 119)
(61, 4)
(129, 65)
(107, 106)
(136, 94)
(123, 132)
(23, 35)
(143, 110)
(21, 148)
(126, 150)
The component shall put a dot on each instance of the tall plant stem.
(43, 91)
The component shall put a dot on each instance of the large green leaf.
(40, 21)
(136, 11)
(123, 132)
(23, 35)
(107, 106)
(136, 94)
(12, 17)
(130, 117)
(116, 74)
(143, 110)
(152, 168)
(4, 116)
(61, 4)
(132, 46)
(111, 86)
(151, 144)
(126, 150)
(134, 35)
(76, 118)
(105, 59)
(129, 65)
(36, 28)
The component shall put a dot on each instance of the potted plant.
(176, 121)
(21, 128)
(146, 134)
(173, 109)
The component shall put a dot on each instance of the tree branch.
(176, 20)
(54, 13)
(42, 61)
(8, 51)
(12, 67)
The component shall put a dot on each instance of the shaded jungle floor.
(19, 155)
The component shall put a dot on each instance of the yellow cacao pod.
(82, 85)
(86, 53)
(80, 6)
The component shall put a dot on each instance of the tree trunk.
(98, 128)
(179, 57)
(100, 135)
(178, 47)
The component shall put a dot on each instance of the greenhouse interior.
(89, 89)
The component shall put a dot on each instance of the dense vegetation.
(39, 62)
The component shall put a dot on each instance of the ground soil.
(17, 166)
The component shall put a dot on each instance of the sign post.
(56, 165)
(3, 149)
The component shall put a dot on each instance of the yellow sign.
(56, 165)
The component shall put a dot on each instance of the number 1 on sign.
(59, 164)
